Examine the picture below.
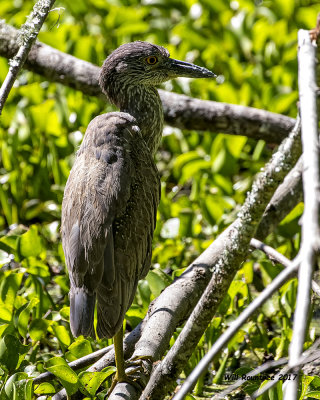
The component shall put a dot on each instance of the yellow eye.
(151, 60)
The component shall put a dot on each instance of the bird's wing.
(96, 193)
(133, 233)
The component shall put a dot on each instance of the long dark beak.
(181, 68)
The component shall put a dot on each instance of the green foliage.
(205, 177)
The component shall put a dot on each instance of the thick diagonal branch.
(285, 198)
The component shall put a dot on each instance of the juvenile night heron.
(112, 194)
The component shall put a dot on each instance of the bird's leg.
(118, 351)
(135, 365)
(120, 375)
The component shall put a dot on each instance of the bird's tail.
(82, 306)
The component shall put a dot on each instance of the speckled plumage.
(109, 215)
(113, 191)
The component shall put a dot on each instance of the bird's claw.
(138, 363)
(127, 379)
(137, 369)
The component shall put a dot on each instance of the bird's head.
(143, 63)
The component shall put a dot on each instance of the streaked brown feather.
(108, 216)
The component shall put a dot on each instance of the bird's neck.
(144, 104)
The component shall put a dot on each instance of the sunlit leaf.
(24, 315)
(11, 351)
(80, 348)
(91, 381)
(38, 328)
(30, 243)
(45, 388)
(69, 379)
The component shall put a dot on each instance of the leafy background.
(252, 47)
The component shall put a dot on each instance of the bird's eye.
(151, 60)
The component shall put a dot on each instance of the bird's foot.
(136, 373)
(139, 366)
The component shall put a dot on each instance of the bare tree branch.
(75, 365)
(27, 35)
(286, 197)
(310, 224)
(274, 255)
(180, 111)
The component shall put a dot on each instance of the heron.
(111, 197)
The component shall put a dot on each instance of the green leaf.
(313, 395)
(158, 281)
(68, 378)
(9, 243)
(24, 316)
(45, 388)
(288, 297)
(290, 224)
(65, 313)
(62, 334)
(36, 267)
(5, 313)
(316, 382)
(38, 328)
(9, 287)
(182, 160)
(80, 348)
(243, 370)
(30, 244)
(11, 352)
(6, 329)
(16, 386)
(305, 383)
(62, 282)
(192, 168)
(91, 381)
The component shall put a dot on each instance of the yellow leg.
(121, 375)
(118, 351)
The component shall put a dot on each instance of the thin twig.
(28, 35)
(274, 255)
(307, 357)
(310, 226)
(75, 365)
(259, 370)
